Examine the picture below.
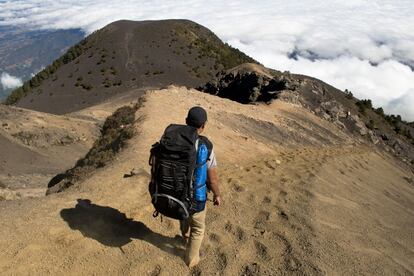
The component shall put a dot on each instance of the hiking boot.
(194, 262)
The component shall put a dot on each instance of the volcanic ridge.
(314, 181)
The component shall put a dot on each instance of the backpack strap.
(204, 140)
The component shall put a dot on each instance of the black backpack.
(172, 162)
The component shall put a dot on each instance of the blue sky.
(366, 46)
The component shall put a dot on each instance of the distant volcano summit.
(126, 55)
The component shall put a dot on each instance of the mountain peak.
(127, 55)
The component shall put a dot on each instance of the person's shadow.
(112, 228)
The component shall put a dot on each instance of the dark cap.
(196, 117)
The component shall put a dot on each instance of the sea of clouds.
(365, 46)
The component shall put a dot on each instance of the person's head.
(197, 117)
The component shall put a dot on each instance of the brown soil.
(34, 146)
(300, 197)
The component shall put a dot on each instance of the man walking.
(193, 228)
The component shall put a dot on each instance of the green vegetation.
(87, 86)
(394, 121)
(224, 54)
(107, 83)
(117, 129)
(208, 46)
(349, 94)
(380, 111)
(364, 105)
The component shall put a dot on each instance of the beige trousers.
(193, 232)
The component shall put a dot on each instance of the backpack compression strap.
(173, 199)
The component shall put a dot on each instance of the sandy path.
(310, 208)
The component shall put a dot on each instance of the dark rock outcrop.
(246, 83)
(252, 83)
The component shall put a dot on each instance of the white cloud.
(400, 106)
(362, 45)
(9, 82)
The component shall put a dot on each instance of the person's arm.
(214, 185)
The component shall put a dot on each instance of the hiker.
(193, 228)
(183, 169)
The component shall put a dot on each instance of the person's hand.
(217, 200)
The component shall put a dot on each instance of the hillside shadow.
(112, 228)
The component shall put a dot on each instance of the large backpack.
(173, 162)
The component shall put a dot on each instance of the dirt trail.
(311, 206)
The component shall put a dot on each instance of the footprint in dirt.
(283, 215)
(238, 188)
(228, 227)
(252, 198)
(267, 200)
(196, 271)
(285, 180)
(262, 251)
(261, 219)
(221, 261)
(156, 271)
(215, 238)
(282, 196)
(252, 269)
(238, 232)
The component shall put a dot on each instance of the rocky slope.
(125, 55)
(252, 83)
(301, 196)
